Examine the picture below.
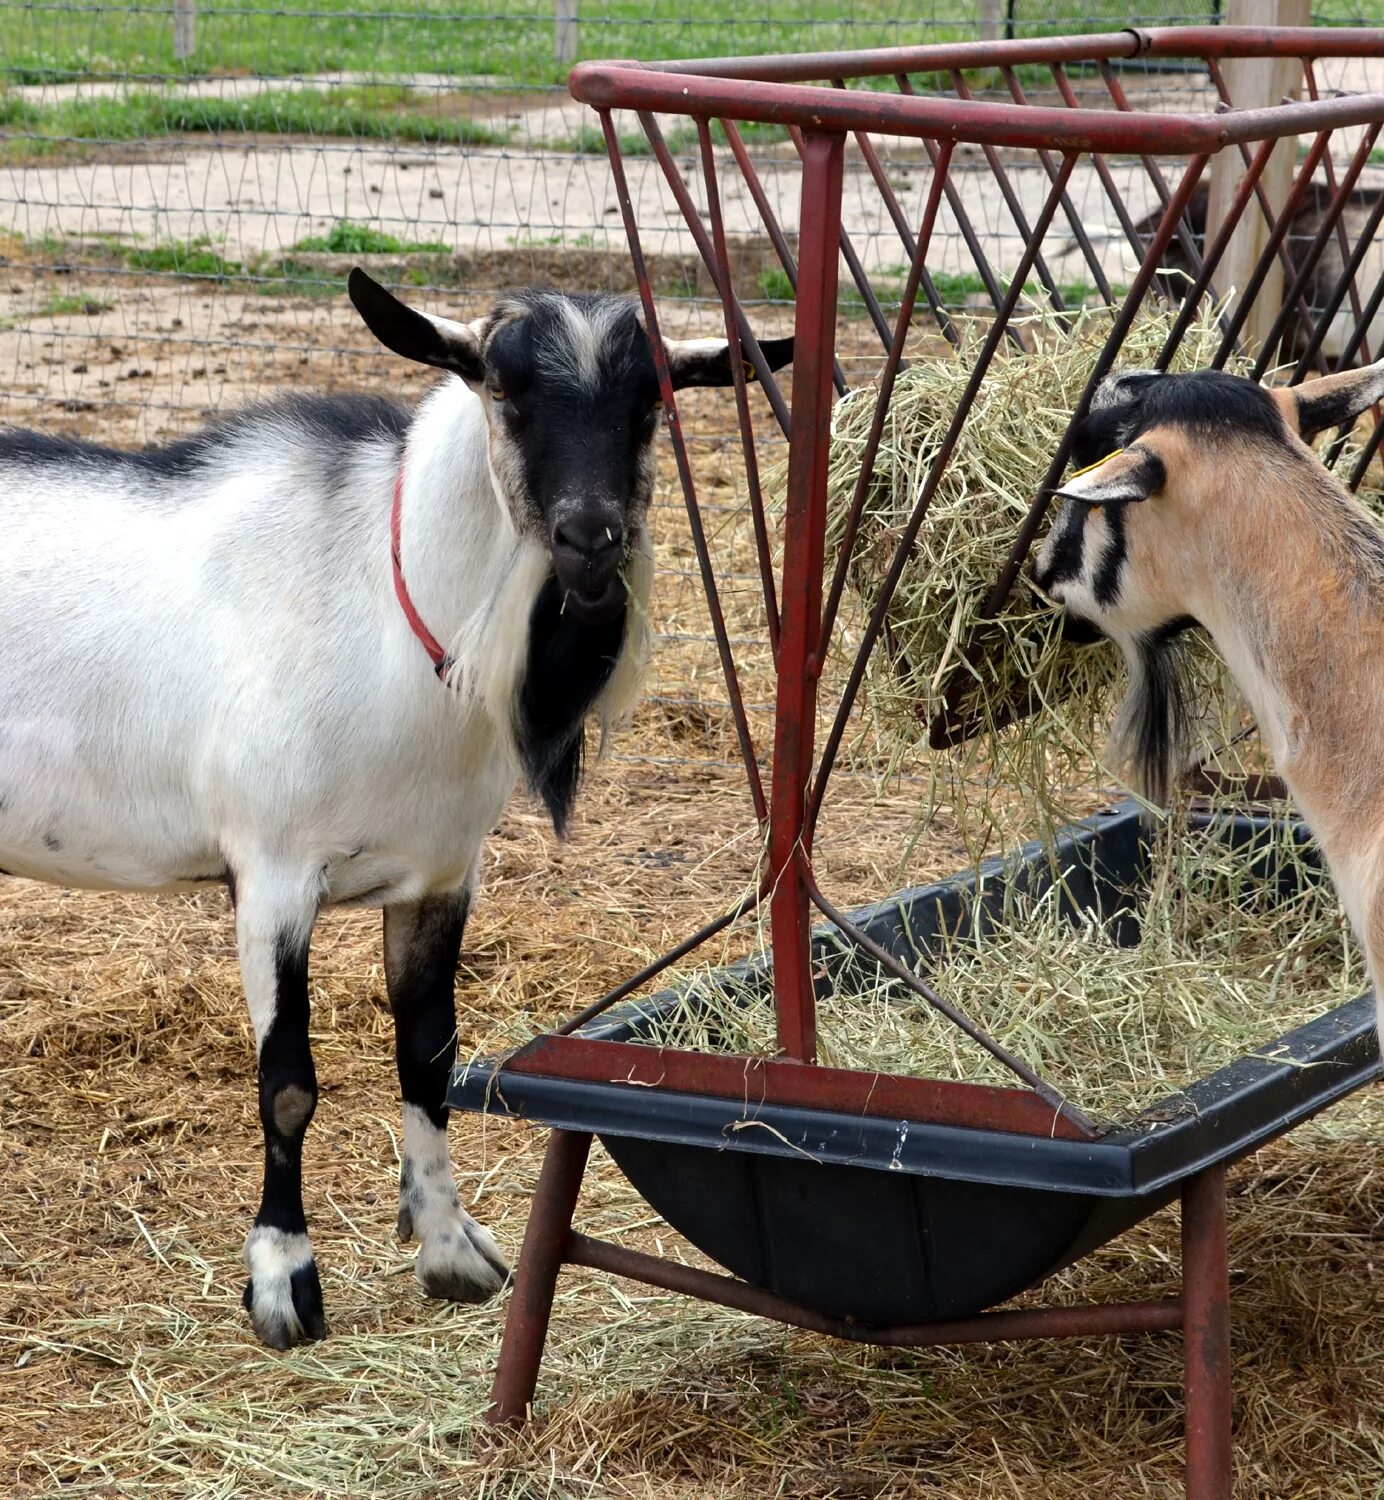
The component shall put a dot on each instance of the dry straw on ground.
(131, 1149)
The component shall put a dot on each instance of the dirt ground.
(131, 1149)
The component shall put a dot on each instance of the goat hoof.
(461, 1263)
(284, 1293)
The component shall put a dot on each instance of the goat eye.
(497, 393)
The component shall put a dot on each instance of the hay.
(1016, 424)
(1224, 964)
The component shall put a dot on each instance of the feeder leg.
(540, 1260)
(1206, 1335)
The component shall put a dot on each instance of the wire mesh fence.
(183, 188)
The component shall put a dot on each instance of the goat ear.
(415, 335)
(707, 361)
(1131, 474)
(1332, 400)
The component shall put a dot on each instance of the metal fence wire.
(183, 189)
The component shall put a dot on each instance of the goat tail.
(1152, 737)
(622, 690)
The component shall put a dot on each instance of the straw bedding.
(1221, 967)
(131, 1148)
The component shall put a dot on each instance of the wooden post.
(184, 28)
(989, 17)
(565, 31)
(1253, 83)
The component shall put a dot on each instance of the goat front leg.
(457, 1258)
(274, 920)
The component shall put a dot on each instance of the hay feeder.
(888, 1209)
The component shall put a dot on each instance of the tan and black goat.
(1203, 506)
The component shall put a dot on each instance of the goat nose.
(593, 540)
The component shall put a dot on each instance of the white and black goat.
(224, 662)
(1210, 509)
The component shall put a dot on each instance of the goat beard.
(1152, 737)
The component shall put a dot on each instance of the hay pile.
(1223, 965)
(1016, 424)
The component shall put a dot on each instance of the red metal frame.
(1202, 1312)
(813, 97)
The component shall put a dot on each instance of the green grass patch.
(346, 238)
(377, 112)
(511, 38)
(196, 258)
(71, 305)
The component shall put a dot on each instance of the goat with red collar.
(308, 653)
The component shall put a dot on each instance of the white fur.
(211, 671)
(457, 1258)
(271, 1256)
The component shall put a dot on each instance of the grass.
(1234, 949)
(72, 304)
(378, 112)
(346, 238)
(464, 37)
(954, 290)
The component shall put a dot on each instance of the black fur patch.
(328, 421)
(1106, 584)
(569, 662)
(1160, 731)
(575, 437)
(1207, 403)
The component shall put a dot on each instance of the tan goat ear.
(1331, 400)
(1127, 474)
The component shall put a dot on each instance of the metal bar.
(1331, 219)
(979, 259)
(867, 150)
(944, 452)
(689, 487)
(1206, 1303)
(892, 365)
(777, 238)
(727, 1291)
(1193, 42)
(1271, 218)
(1107, 182)
(804, 529)
(1366, 455)
(742, 400)
(540, 1260)
(1183, 229)
(1213, 253)
(887, 961)
(1353, 343)
(752, 1081)
(1363, 319)
(1273, 246)
(666, 961)
(697, 229)
(1133, 302)
(1309, 73)
(1074, 220)
(1016, 208)
(648, 89)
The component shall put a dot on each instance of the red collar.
(440, 660)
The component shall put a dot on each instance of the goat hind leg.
(274, 918)
(457, 1258)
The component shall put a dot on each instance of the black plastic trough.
(897, 1221)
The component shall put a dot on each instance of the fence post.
(988, 14)
(1255, 83)
(184, 28)
(565, 30)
